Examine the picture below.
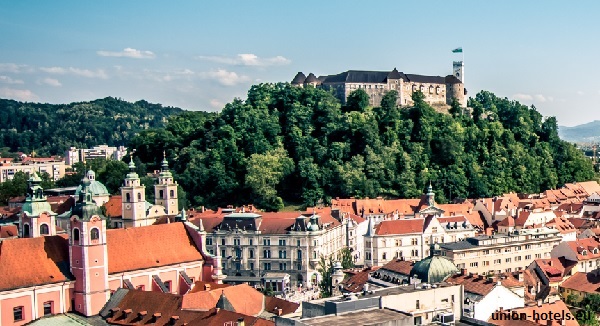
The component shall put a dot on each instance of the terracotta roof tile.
(49, 255)
(586, 246)
(583, 282)
(272, 304)
(149, 246)
(402, 226)
(555, 268)
(200, 286)
(113, 206)
(399, 266)
(355, 283)
(244, 298)
(8, 231)
(482, 285)
(546, 308)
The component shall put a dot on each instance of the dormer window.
(584, 252)
(595, 251)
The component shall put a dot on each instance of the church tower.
(133, 197)
(37, 218)
(88, 254)
(165, 190)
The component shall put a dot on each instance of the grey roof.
(426, 79)
(311, 78)
(299, 79)
(363, 76)
(114, 301)
(224, 303)
(458, 245)
(451, 79)
(433, 269)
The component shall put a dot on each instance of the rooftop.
(366, 317)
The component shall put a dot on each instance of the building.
(45, 273)
(585, 252)
(55, 167)
(490, 254)
(74, 155)
(433, 269)
(533, 315)
(409, 238)
(438, 91)
(580, 285)
(419, 304)
(282, 248)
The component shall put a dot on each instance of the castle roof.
(311, 78)
(365, 76)
(299, 79)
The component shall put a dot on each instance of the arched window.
(384, 257)
(127, 197)
(44, 229)
(161, 194)
(139, 196)
(75, 234)
(95, 234)
(251, 253)
(26, 233)
(172, 193)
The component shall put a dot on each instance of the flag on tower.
(457, 50)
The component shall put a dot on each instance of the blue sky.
(199, 55)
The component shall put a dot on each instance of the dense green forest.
(50, 129)
(300, 145)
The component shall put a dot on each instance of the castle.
(439, 91)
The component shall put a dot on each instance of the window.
(236, 242)
(172, 193)
(314, 255)
(127, 197)
(266, 242)
(44, 229)
(497, 261)
(474, 264)
(527, 246)
(298, 242)
(75, 234)
(140, 287)
(299, 266)
(434, 229)
(299, 254)
(95, 234)
(417, 304)
(48, 305)
(486, 252)
(223, 241)
(282, 266)
(398, 243)
(161, 194)
(507, 260)
(418, 320)
(267, 253)
(414, 241)
(209, 241)
(399, 254)
(139, 196)
(367, 255)
(281, 242)
(251, 253)
(384, 256)
(415, 253)
(18, 313)
(223, 253)
(26, 231)
(537, 256)
(486, 263)
(251, 242)
(527, 257)
(507, 250)
(282, 254)
(251, 265)
(267, 266)
(168, 286)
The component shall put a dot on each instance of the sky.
(200, 55)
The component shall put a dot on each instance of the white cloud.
(50, 82)
(227, 78)
(580, 93)
(18, 94)
(539, 98)
(128, 53)
(216, 104)
(8, 80)
(247, 59)
(99, 73)
(13, 68)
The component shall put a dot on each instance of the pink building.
(45, 273)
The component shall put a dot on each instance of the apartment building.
(585, 252)
(283, 248)
(74, 155)
(491, 254)
(53, 166)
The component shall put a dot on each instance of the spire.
(165, 163)
(430, 196)
(370, 231)
(131, 164)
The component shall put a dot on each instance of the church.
(50, 271)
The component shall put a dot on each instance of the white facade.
(499, 298)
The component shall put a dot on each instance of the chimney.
(240, 322)
(463, 271)
(206, 287)
(521, 276)
(155, 317)
(142, 314)
(173, 320)
(114, 311)
(127, 312)
(539, 302)
(279, 312)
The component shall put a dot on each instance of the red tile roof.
(402, 226)
(355, 283)
(273, 304)
(546, 308)
(555, 269)
(482, 285)
(113, 206)
(586, 246)
(583, 282)
(206, 286)
(399, 266)
(149, 246)
(8, 231)
(561, 224)
(33, 261)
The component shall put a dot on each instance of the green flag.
(457, 50)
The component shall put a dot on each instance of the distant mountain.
(50, 129)
(585, 133)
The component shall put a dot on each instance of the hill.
(50, 129)
(292, 144)
(585, 133)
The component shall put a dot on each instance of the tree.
(325, 269)
(13, 188)
(345, 257)
(265, 171)
(357, 100)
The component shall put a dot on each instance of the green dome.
(433, 269)
(96, 187)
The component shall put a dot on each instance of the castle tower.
(165, 190)
(133, 199)
(88, 254)
(458, 70)
(37, 218)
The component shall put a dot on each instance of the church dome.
(433, 269)
(96, 187)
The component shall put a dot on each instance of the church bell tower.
(165, 190)
(133, 198)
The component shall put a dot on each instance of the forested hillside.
(300, 145)
(51, 129)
